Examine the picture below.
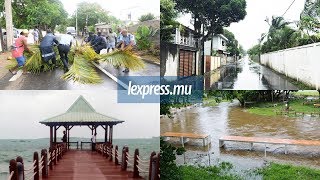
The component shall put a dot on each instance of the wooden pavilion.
(81, 113)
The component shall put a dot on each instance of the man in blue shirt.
(46, 48)
(127, 40)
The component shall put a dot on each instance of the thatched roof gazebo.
(81, 113)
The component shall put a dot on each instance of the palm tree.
(81, 59)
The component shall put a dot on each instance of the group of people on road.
(111, 41)
(46, 48)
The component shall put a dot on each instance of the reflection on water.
(246, 75)
(229, 119)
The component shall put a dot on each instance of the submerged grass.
(270, 109)
(221, 172)
(276, 171)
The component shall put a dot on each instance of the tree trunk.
(9, 24)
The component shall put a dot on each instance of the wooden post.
(106, 134)
(20, 167)
(68, 145)
(111, 134)
(124, 158)
(150, 164)
(13, 167)
(51, 138)
(135, 164)
(55, 135)
(44, 156)
(116, 155)
(50, 159)
(55, 156)
(111, 157)
(36, 169)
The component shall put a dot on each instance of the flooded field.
(230, 119)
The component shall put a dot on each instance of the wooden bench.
(265, 141)
(316, 105)
(185, 137)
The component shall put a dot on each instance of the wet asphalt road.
(52, 80)
(247, 75)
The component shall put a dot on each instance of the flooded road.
(229, 119)
(246, 75)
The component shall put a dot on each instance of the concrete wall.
(169, 59)
(300, 63)
(215, 63)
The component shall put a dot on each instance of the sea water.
(11, 148)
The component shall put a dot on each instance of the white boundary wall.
(301, 63)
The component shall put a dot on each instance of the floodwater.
(230, 119)
(246, 75)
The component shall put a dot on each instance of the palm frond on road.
(82, 71)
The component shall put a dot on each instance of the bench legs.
(221, 143)
(285, 149)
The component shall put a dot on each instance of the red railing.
(149, 167)
(39, 166)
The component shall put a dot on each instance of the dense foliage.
(233, 46)
(43, 13)
(280, 171)
(144, 36)
(167, 19)
(146, 17)
(283, 34)
(90, 14)
(213, 14)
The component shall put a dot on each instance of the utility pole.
(9, 24)
(77, 21)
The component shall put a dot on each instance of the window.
(223, 43)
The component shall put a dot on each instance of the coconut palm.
(81, 57)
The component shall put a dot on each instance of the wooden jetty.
(185, 137)
(103, 161)
(265, 141)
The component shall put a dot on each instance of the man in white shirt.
(93, 141)
(65, 44)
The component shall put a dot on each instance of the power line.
(289, 8)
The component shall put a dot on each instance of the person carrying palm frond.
(17, 51)
(126, 41)
(46, 48)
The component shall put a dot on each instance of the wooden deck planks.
(84, 165)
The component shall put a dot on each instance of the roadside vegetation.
(276, 171)
(270, 108)
(223, 171)
(284, 34)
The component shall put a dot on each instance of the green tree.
(167, 20)
(90, 14)
(146, 17)
(212, 14)
(232, 44)
(42, 13)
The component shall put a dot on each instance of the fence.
(42, 166)
(300, 63)
(150, 167)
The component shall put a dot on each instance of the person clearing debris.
(17, 50)
(126, 41)
(46, 48)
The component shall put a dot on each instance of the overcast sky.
(21, 111)
(120, 8)
(249, 30)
